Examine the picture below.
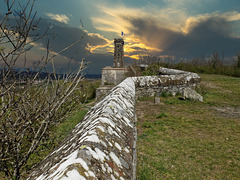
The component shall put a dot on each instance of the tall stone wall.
(103, 144)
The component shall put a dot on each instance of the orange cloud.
(100, 48)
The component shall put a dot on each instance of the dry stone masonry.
(170, 80)
(103, 144)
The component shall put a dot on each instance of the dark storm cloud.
(61, 35)
(208, 35)
(136, 51)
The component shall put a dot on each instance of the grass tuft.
(162, 115)
(166, 94)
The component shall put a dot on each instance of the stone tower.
(118, 53)
(113, 76)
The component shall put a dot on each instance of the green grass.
(162, 115)
(165, 94)
(191, 140)
(63, 129)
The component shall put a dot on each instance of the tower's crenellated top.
(118, 53)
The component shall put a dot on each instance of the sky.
(163, 28)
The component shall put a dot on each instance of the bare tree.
(237, 64)
(216, 61)
(150, 64)
(28, 110)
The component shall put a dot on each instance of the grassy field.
(180, 139)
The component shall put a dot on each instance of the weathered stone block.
(189, 93)
(157, 100)
(113, 76)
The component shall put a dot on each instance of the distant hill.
(93, 76)
(22, 75)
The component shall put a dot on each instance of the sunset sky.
(175, 28)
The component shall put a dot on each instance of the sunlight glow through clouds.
(162, 28)
(58, 17)
(116, 20)
(101, 48)
(139, 24)
(232, 16)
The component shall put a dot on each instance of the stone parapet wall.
(102, 145)
(173, 81)
(167, 71)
